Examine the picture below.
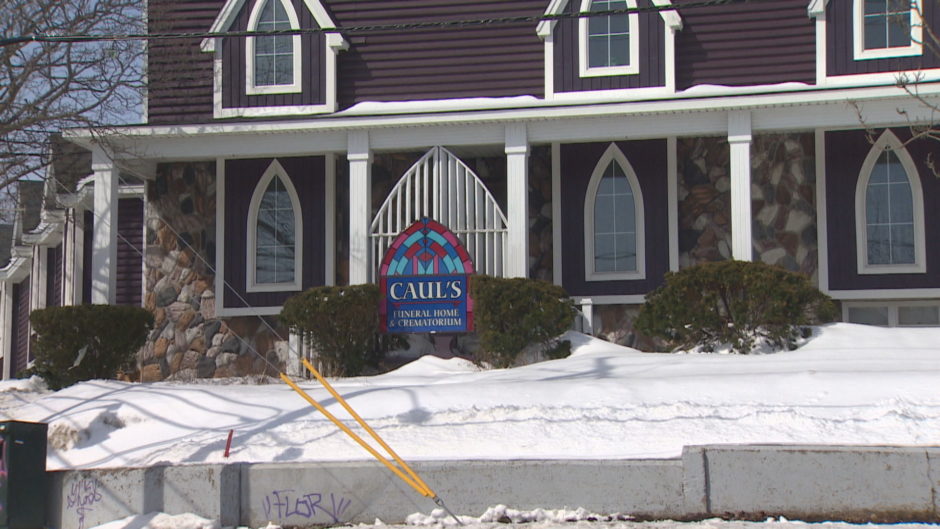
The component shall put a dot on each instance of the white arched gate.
(441, 187)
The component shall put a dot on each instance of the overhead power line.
(443, 24)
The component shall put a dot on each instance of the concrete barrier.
(855, 483)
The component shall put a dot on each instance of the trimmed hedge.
(511, 314)
(85, 342)
(342, 324)
(733, 303)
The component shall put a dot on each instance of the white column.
(739, 137)
(6, 327)
(68, 260)
(517, 200)
(360, 206)
(104, 237)
(37, 278)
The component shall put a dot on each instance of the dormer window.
(887, 28)
(609, 44)
(273, 61)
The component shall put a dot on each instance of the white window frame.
(275, 170)
(613, 154)
(858, 31)
(630, 69)
(888, 141)
(295, 86)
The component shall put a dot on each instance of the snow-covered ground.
(849, 384)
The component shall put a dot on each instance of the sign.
(424, 280)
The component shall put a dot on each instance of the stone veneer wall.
(188, 340)
(704, 190)
(783, 201)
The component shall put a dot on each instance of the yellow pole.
(418, 485)
(427, 490)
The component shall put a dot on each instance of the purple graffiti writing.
(287, 504)
(83, 494)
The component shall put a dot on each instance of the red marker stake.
(228, 443)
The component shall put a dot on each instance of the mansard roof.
(230, 11)
(556, 7)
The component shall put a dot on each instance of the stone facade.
(783, 201)
(704, 192)
(188, 340)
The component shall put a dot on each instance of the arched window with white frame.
(275, 234)
(273, 62)
(614, 241)
(889, 211)
(608, 44)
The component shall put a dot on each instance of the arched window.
(609, 44)
(274, 234)
(273, 61)
(613, 221)
(889, 209)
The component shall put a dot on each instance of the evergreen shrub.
(342, 324)
(733, 303)
(85, 342)
(510, 314)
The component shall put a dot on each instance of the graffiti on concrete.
(284, 504)
(82, 497)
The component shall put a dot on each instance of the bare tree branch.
(46, 87)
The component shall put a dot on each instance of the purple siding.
(652, 55)
(87, 247)
(241, 178)
(129, 268)
(179, 88)
(20, 327)
(739, 44)
(313, 79)
(578, 161)
(494, 60)
(845, 153)
(54, 276)
(840, 48)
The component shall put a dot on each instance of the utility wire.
(374, 28)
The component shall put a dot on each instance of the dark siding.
(129, 266)
(313, 80)
(845, 153)
(494, 60)
(241, 178)
(54, 276)
(20, 327)
(87, 246)
(648, 159)
(179, 86)
(840, 51)
(767, 42)
(652, 55)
